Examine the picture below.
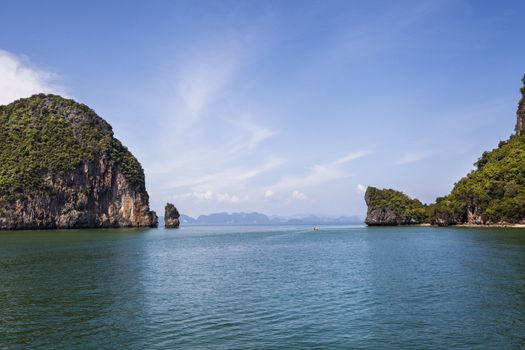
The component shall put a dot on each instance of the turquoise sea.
(253, 287)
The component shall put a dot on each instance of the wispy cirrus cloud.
(201, 81)
(412, 157)
(210, 147)
(254, 132)
(20, 78)
(224, 179)
(318, 174)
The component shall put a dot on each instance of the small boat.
(316, 228)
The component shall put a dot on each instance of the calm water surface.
(263, 288)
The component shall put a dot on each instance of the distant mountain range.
(261, 219)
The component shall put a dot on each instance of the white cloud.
(226, 197)
(268, 193)
(318, 174)
(221, 179)
(350, 156)
(411, 157)
(209, 195)
(201, 81)
(206, 195)
(19, 78)
(361, 189)
(298, 195)
(213, 142)
(256, 133)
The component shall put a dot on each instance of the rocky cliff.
(171, 216)
(492, 194)
(61, 167)
(520, 115)
(389, 207)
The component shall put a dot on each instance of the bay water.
(263, 287)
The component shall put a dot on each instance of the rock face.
(171, 216)
(492, 194)
(391, 208)
(61, 167)
(387, 217)
(520, 115)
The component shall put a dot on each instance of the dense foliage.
(47, 134)
(492, 193)
(400, 203)
(495, 190)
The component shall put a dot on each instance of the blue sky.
(282, 107)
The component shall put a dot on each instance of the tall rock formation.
(520, 115)
(61, 167)
(171, 216)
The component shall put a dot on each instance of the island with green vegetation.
(61, 167)
(492, 194)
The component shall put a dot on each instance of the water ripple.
(246, 288)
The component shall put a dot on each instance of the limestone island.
(171, 216)
(61, 167)
(492, 194)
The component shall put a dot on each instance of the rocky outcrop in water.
(492, 194)
(391, 208)
(61, 167)
(171, 216)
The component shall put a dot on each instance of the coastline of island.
(492, 195)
